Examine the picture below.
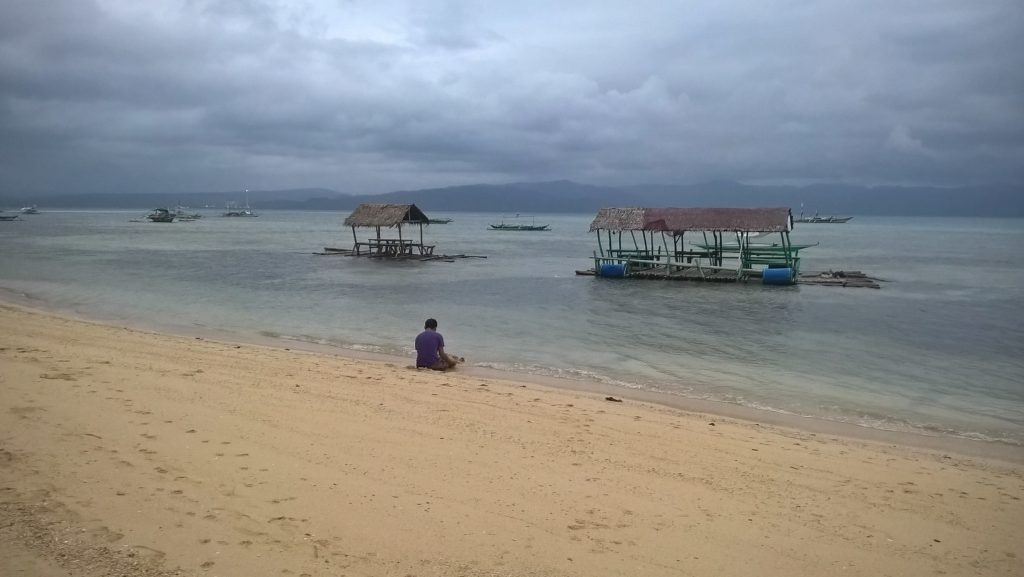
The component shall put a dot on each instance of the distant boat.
(181, 212)
(517, 223)
(7, 217)
(161, 215)
(439, 220)
(240, 212)
(822, 219)
(234, 210)
(29, 210)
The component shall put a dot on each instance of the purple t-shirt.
(427, 344)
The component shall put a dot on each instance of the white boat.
(29, 210)
(182, 213)
(822, 219)
(234, 210)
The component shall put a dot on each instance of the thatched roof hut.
(386, 215)
(618, 219)
(377, 216)
(695, 219)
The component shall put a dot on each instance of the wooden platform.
(329, 251)
(688, 274)
(851, 279)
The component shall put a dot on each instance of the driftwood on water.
(844, 278)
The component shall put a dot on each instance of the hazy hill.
(257, 198)
(837, 199)
(567, 196)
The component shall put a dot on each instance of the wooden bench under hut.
(732, 244)
(386, 216)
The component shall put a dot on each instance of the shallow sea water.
(938, 350)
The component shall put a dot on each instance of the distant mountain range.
(572, 197)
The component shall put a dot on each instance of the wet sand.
(130, 452)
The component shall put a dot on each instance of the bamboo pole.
(742, 245)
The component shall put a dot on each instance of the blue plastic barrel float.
(611, 270)
(777, 276)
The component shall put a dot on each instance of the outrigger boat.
(233, 210)
(520, 226)
(239, 212)
(181, 212)
(161, 215)
(821, 219)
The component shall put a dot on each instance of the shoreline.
(124, 451)
(960, 445)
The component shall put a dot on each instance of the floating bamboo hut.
(391, 217)
(726, 244)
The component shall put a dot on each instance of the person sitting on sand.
(430, 349)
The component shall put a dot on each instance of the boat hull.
(824, 220)
(519, 227)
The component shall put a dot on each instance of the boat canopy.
(676, 220)
(388, 215)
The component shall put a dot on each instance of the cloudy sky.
(202, 95)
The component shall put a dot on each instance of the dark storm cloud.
(113, 95)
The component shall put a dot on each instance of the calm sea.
(938, 350)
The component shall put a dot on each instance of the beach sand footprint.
(24, 412)
(59, 376)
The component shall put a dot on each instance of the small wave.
(831, 413)
(572, 374)
(361, 347)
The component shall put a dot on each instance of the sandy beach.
(124, 452)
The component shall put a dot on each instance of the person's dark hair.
(430, 324)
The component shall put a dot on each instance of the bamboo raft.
(675, 271)
(330, 251)
(851, 279)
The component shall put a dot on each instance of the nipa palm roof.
(368, 214)
(700, 219)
